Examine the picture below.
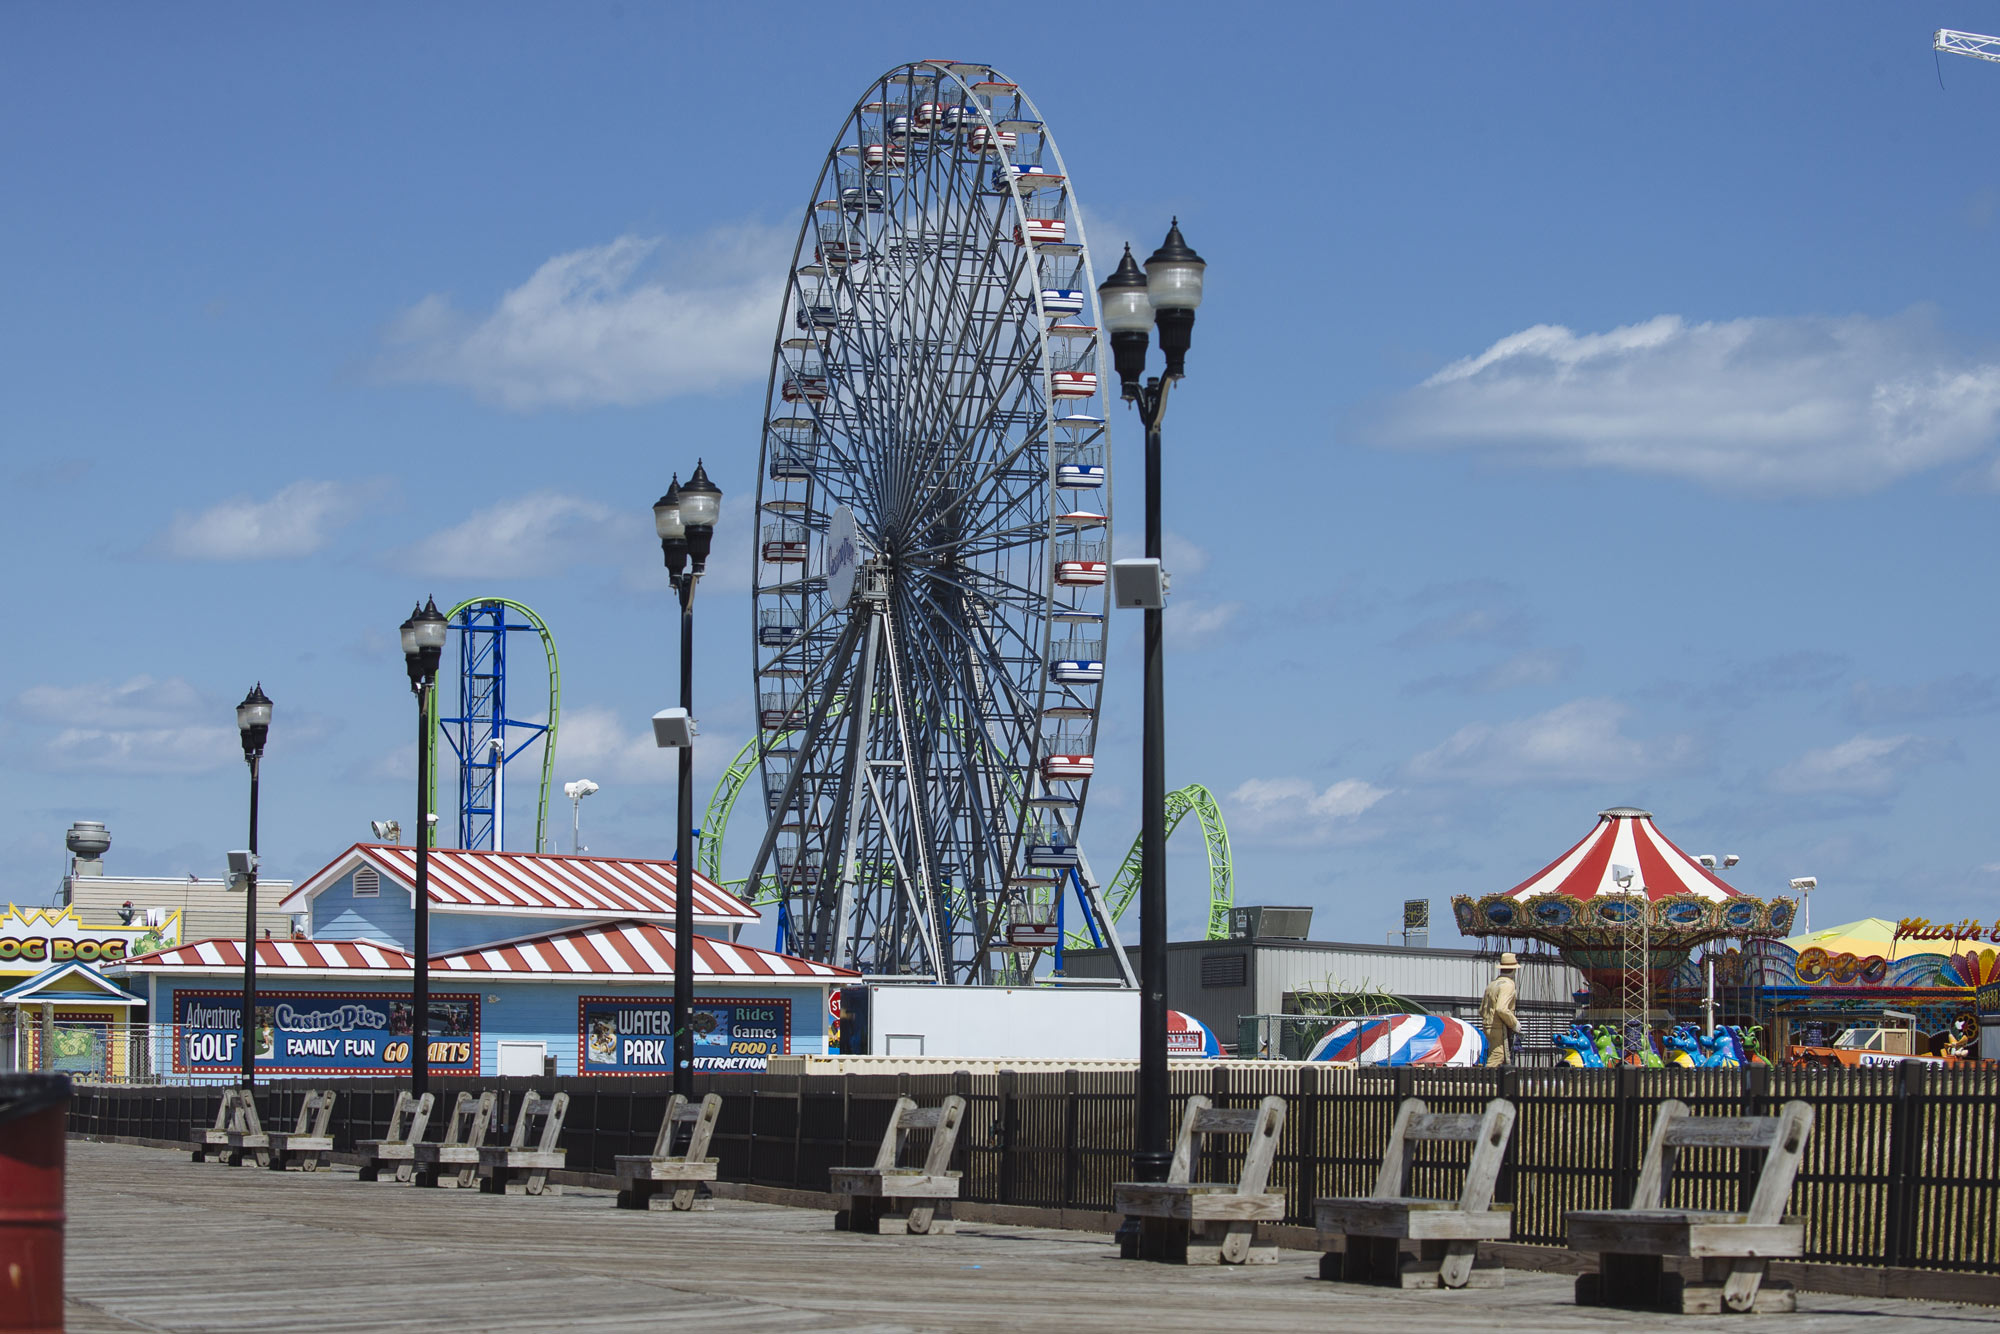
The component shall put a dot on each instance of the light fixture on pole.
(1803, 886)
(423, 648)
(576, 792)
(685, 519)
(1163, 296)
(253, 723)
(1710, 862)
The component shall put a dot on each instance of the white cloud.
(297, 521)
(539, 534)
(1579, 742)
(1867, 766)
(588, 329)
(1190, 623)
(142, 726)
(148, 751)
(1800, 405)
(1296, 811)
(1532, 667)
(599, 744)
(141, 702)
(1184, 559)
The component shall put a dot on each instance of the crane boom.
(1966, 44)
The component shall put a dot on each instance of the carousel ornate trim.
(1677, 920)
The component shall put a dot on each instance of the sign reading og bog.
(635, 1036)
(322, 1033)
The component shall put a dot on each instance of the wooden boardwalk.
(158, 1243)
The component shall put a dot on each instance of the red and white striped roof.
(1624, 836)
(296, 957)
(532, 884)
(633, 949)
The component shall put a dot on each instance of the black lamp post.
(685, 520)
(1165, 295)
(423, 649)
(253, 721)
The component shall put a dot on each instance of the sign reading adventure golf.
(322, 1033)
(620, 1035)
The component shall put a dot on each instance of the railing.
(1903, 1167)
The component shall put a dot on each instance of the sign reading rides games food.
(635, 1036)
(322, 1033)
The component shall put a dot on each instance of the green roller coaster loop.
(548, 737)
(1194, 798)
(1124, 886)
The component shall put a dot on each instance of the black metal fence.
(1903, 1167)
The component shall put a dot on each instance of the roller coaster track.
(548, 737)
(1199, 801)
(1193, 799)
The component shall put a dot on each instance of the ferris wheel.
(933, 501)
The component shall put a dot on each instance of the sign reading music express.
(322, 1033)
(620, 1036)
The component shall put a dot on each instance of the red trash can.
(34, 1116)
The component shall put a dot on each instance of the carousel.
(1626, 908)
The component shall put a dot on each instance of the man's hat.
(1508, 962)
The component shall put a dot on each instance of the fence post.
(1624, 1136)
(1305, 1175)
(1906, 1118)
(1072, 1127)
(1510, 1089)
(1003, 1124)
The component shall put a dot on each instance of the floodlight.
(1707, 859)
(388, 831)
(1623, 875)
(1806, 882)
(579, 789)
(1729, 859)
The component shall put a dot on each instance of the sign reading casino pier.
(621, 1036)
(322, 1033)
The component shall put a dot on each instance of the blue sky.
(1591, 406)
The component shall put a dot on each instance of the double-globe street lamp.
(423, 649)
(685, 520)
(253, 722)
(1165, 295)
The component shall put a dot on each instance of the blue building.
(532, 956)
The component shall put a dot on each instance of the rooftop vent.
(88, 840)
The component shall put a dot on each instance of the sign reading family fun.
(324, 1033)
(621, 1036)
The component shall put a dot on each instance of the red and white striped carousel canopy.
(1625, 836)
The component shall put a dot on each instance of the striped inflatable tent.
(1188, 1036)
(1403, 1039)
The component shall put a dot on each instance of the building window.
(1225, 970)
(367, 883)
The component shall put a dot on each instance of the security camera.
(1805, 882)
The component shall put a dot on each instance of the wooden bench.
(640, 1177)
(1182, 1221)
(1734, 1248)
(237, 1113)
(890, 1198)
(1365, 1239)
(497, 1164)
(406, 1126)
(310, 1141)
(464, 1133)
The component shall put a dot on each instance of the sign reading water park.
(33, 939)
(619, 1035)
(322, 1033)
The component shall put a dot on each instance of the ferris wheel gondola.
(934, 508)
